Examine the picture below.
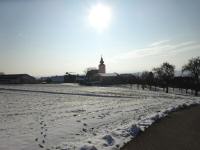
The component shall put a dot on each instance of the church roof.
(108, 74)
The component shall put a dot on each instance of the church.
(99, 76)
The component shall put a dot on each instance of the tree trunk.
(143, 86)
(167, 89)
(196, 92)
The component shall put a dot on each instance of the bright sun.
(99, 16)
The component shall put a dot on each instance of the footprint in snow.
(40, 145)
(85, 130)
(109, 140)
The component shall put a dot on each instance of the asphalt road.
(179, 131)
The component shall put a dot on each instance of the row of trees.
(163, 76)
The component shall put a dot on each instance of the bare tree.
(143, 78)
(150, 79)
(147, 79)
(165, 73)
(193, 67)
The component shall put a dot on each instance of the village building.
(57, 79)
(17, 79)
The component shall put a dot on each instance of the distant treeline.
(164, 77)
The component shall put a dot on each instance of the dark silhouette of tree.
(165, 73)
(143, 78)
(150, 79)
(69, 78)
(147, 78)
(193, 67)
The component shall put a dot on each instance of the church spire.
(101, 61)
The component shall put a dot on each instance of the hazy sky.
(49, 37)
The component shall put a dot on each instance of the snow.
(108, 74)
(69, 116)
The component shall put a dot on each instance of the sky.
(51, 37)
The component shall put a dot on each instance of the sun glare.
(99, 16)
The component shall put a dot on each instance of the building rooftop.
(108, 74)
(13, 76)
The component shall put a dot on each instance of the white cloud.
(164, 47)
(159, 42)
(177, 53)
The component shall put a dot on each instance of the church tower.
(102, 66)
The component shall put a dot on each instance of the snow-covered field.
(69, 116)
